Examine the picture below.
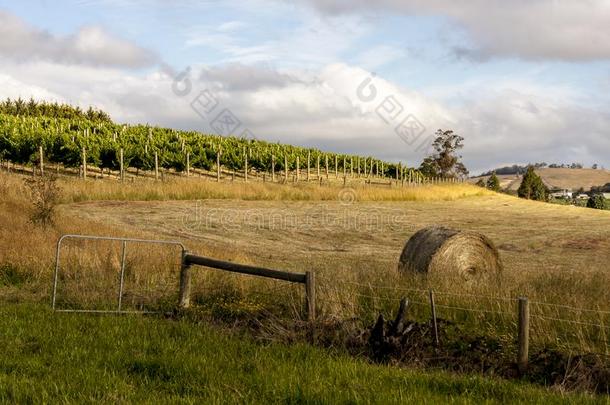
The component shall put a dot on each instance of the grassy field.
(63, 358)
(350, 237)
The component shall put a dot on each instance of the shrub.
(493, 183)
(532, 187)
(597, 201)
(44, 195)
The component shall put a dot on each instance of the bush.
(493, 183)
(44, 195)
(597, 202)
(532, 187)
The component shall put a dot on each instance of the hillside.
(572, 179)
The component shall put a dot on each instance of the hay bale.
(445, 251)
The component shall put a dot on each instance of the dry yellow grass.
(551, 253)
(195, 189)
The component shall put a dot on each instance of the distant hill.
(572, 179)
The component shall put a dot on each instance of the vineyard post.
(298, 170)
(336, 168)
(344, 168)
(308, 163)
(272, 168)
(365, 172)
(84, 163)
(397, 171)
(358, 159)
(41, 162)
(245, 165)
(188, 164)
(156, 166)
(524, 334)
(218, 153)
(285, 167)
(122, 173)
(318, 166)
(351, 166)
(377, 168)
(326, 165)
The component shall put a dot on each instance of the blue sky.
(522, 83)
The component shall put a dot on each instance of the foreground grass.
(49, 357)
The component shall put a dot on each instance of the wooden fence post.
(318, 166)
(326, 165)
(218, 153)
(84, 163)
(524, 334)
(185, 283)
(245, 165)
(156, 166)
(310, 293)
(272, 168)
(434, 323)
(188, 164)
(41, 162)
(285, 168)
(298, 169)
(336, 168)
(308, 163)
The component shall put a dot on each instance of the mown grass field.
(64, 358)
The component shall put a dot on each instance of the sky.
(521, 81)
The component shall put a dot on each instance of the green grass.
(50, 357)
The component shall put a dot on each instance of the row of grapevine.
(63, 141)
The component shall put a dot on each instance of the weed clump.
(44, 196)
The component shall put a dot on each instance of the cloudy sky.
(522, 81)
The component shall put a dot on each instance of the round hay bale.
(445, 252)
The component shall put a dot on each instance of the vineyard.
(31, 133)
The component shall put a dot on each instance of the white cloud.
(89, 46)
(502, 122)
(533, 30)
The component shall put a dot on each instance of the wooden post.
(336, 168)
(41, 161)
(121, 168)
(344, 167)
(272, 168)
(84, 163)
(358, 160)
(185, 284)
(434, 323)
(218, 153)
(365, 172)
(285, 168)
(156, 166)
(326, 165)
(245, 165)
(310, 293)
(308, 163)
(298, 169)
(188, 164)
(318, 166)
(351, 166)
(524, 334)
